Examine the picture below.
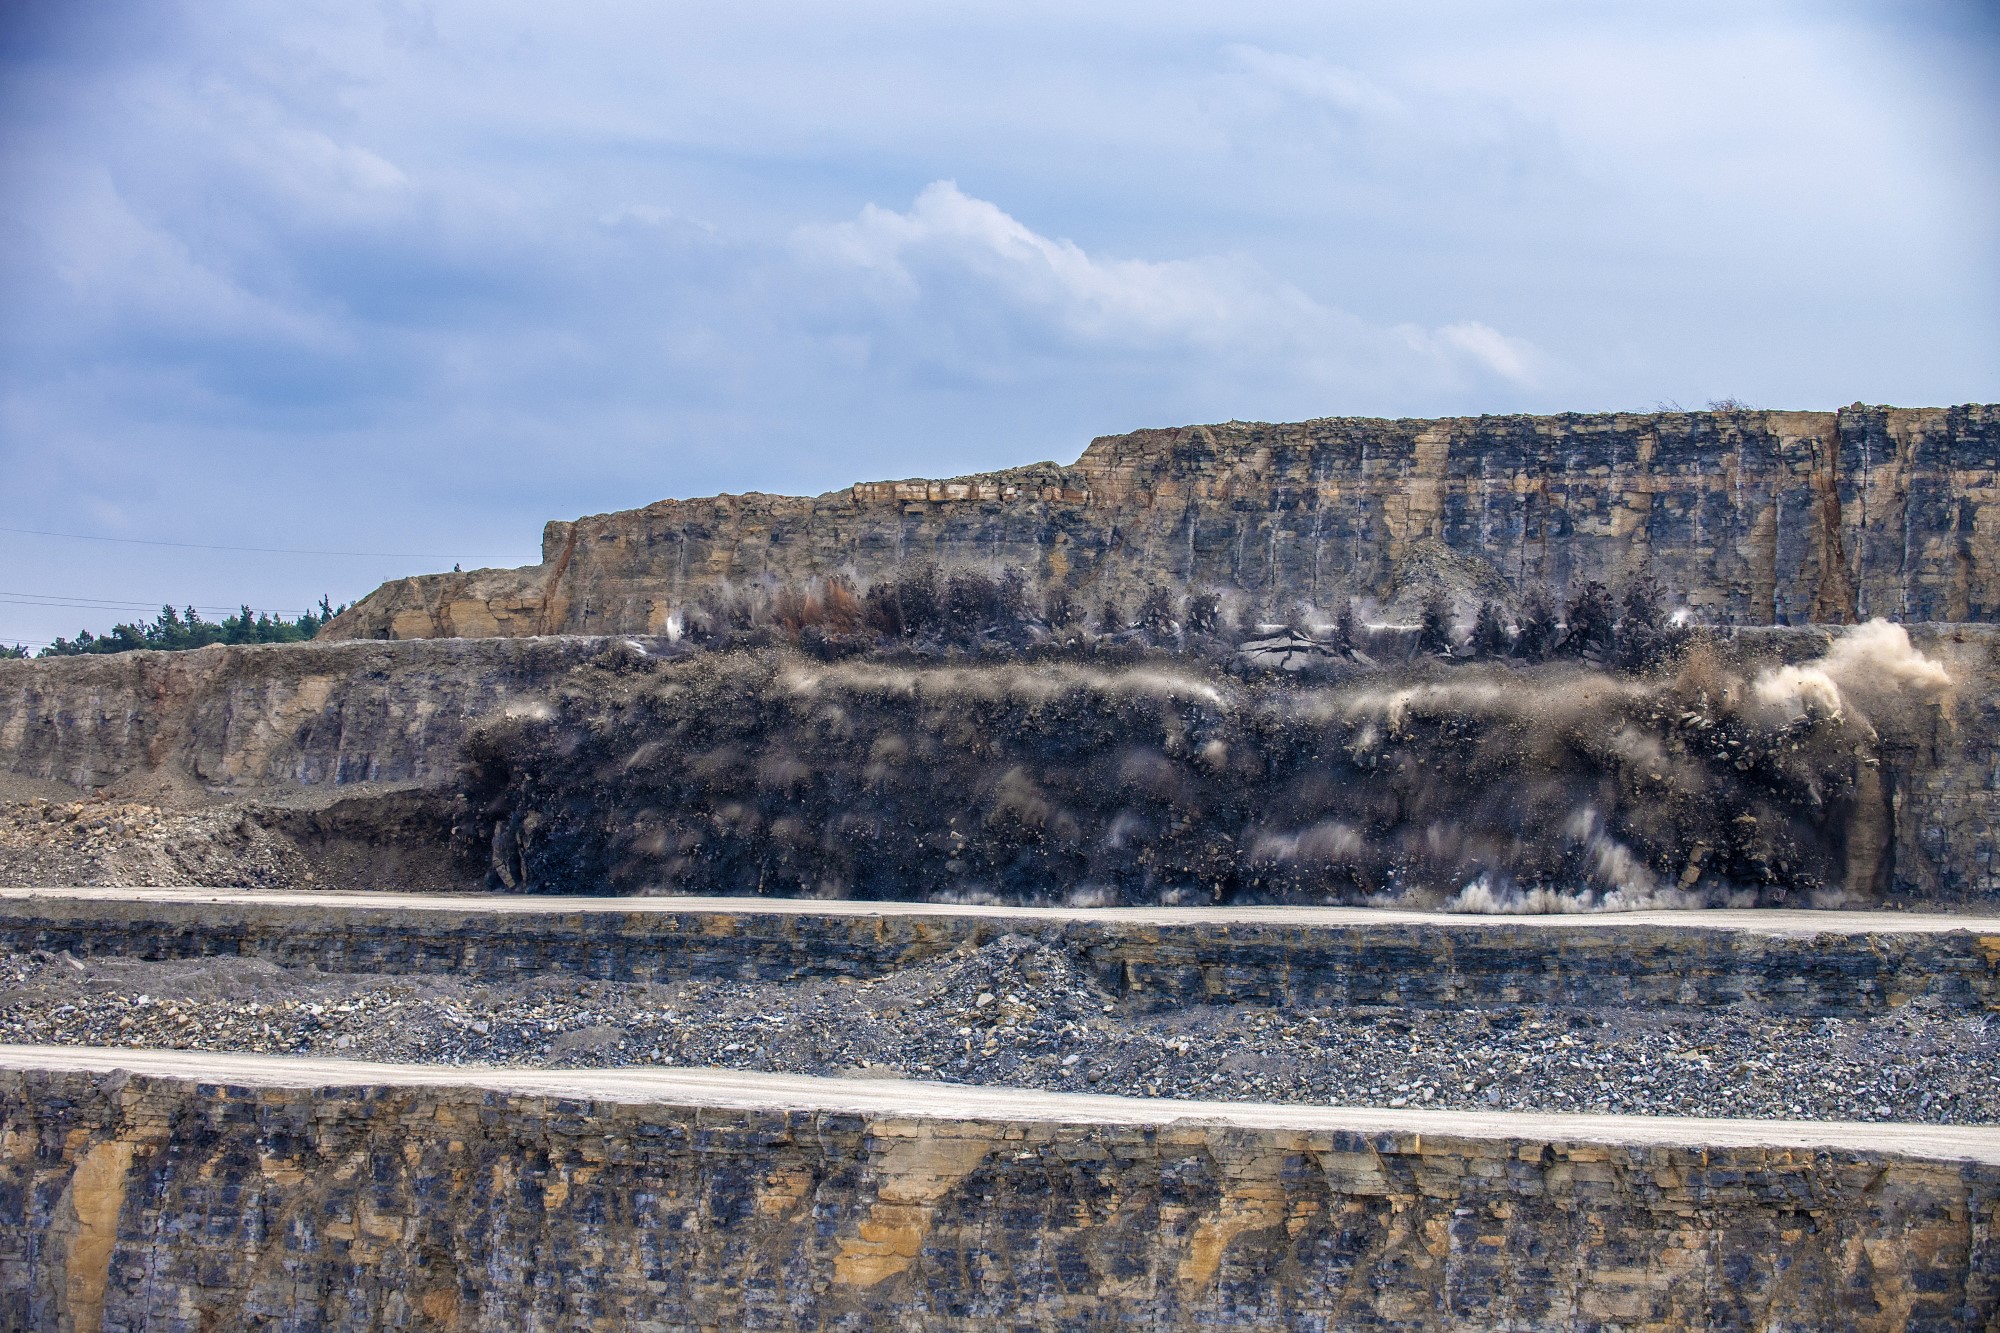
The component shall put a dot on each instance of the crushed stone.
(1019, 1013)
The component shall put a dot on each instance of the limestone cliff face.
(1753, 517)
(277, 716)
(150, 1203)
(281, 720)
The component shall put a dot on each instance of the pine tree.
(1434, 634)
(1539, 629)
(1589, 622)
(1489, 633)
(177, 630)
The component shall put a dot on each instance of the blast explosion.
(1481, 787)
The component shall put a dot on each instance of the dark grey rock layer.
(147, 1203)
(1156, 962)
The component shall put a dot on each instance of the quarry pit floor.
(1022, 1012)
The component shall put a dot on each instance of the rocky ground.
(153, 829)
(1016, 1013)
(102, 840)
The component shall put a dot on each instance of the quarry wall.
(274, 722)
(1066, 781)
(1301, 958)
(266, 717)
(139, 1202)
(1753, 517)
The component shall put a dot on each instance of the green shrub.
(172, 631)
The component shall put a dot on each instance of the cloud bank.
(957, 287)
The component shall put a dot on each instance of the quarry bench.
(1823, 964)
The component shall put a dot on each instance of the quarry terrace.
(1502, 872)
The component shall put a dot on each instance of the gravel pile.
(1019, 1014)
(103, 841)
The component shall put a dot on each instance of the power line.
(109, 604)
(254, 550)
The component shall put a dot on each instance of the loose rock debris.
(1017, 1013)
(99, 841)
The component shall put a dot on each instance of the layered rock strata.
(364, 1197)
(1062, 781)
(307, 765)
(322, 729)
(1753, 517)
(1821, 964)
(268, 717)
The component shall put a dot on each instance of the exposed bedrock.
(1780, 768)
(1818, 964)
(306, 765)
(1785, 766)
(264, 718)
(1751, 516)
(322, 1207)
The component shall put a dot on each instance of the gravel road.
(945, 1101)
(458, 906)
(1017, 1013)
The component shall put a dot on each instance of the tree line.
(924, 606)
(175, 630)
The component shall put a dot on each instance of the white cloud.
(656, 217)
(318, 171)
(1513, 359)
(1119, 301)
(1316, 80)
(954, 261)
(123, 274)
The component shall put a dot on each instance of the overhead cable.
(203, 546)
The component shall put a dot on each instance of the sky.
(365, 288)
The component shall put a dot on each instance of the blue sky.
(410, 278)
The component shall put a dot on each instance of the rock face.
(1752, 517)
(308, 765)
(285, 723)
(1032, 783)
(265, 717)
(146, 1203)
(1308, 962)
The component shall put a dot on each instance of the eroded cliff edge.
(1751, 517)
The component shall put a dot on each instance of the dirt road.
(1764, 920)
(735, 1089)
